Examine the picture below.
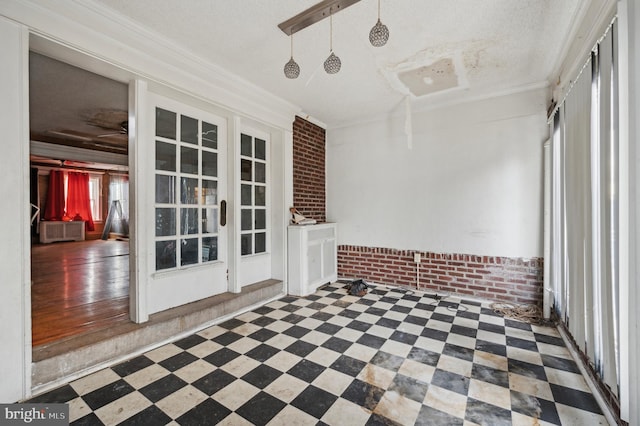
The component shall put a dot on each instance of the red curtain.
(78, 201)
(54, 209)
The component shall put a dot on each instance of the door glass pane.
(165, 254)
(210, 221)
(247, 222)
(245, 195)
(261, 242)
(246, 244)
(209, 192)
(165, 123)
(261, 196)
(245, 145)
(188, 251)
(165, 222)
(188, 129)
(261, 219)
(165, 156)
(261, 174)
(209, 163)
(188, 160)
(188, 191)
(261, 151)
(188, 221)
(165, 189)
(245, 170)
(209, 249)
(187, 185)
(209, 135)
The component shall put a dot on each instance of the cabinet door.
(314, 262)
(329, 266)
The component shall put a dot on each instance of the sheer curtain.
(119, 191)
(78, 201)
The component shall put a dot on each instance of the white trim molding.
(91, 28)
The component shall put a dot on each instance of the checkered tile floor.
(390, 357)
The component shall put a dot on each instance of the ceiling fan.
(111, 135)
(109, 119)
(124, 130)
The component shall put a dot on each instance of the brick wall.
(309, 195)
(489, 277)
(515, 280)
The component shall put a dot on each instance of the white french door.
(194, 252)
(189, 235)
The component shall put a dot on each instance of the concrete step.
(62, 361)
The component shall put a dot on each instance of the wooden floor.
(78, 287)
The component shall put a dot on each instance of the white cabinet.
(313, 257)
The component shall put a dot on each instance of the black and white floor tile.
(391, 357)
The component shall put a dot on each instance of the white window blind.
(584, 212)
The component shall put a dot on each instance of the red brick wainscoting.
(309, 169)
(516, 280)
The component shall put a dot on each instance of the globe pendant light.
(291, 68)
(379, 34)
(332, 64)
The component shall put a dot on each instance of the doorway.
(80, 272)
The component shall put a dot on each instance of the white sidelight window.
(253, 195)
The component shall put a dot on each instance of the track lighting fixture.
(378, 36)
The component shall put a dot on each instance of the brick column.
(309, 195)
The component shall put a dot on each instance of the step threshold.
(66, 359)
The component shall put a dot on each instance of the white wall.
(472, 183)
(15, 291)
(634, 135)
(629, 57)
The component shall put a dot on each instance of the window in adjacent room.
(95, 196)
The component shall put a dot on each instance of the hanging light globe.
(332, 64)
(379, 34)
(291, 69)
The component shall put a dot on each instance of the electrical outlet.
(416, 257)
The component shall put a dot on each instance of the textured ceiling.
(439, 52)
(74, 107)
(495, 46)
(63, 96)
